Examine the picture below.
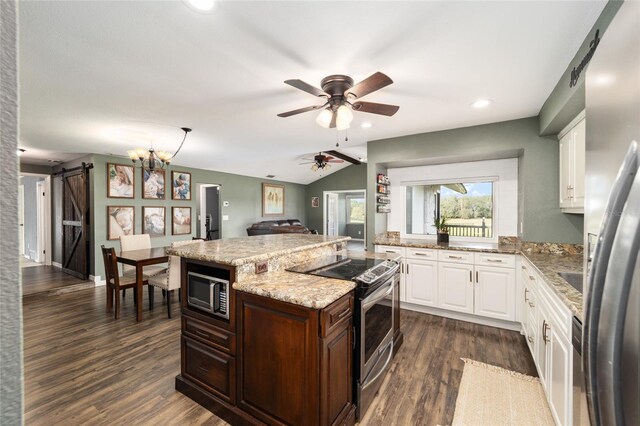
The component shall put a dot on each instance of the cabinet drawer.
(495, 259)
(456, 256)
(210, 334)
(390, 249)
(420, 253)
(334, 314)
(213, 370)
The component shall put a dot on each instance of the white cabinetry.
(455, 286)
(421, 282)
(572, 160)
(495, 292)
(547, 328)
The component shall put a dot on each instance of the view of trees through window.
(467, 207)
(357, 209)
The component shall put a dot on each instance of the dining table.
(139, 259)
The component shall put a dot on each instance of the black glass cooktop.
(340, 267)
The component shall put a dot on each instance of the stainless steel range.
(373, 319)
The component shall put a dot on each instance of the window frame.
(348, 199)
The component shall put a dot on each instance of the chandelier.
(149, 159)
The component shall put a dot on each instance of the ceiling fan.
(321, 161)
(340, 94)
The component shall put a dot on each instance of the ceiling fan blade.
(335, 160)
(374, 108)
(370, 84)
(306, 87)
(308, 162)
(299, 111)
(344, 157)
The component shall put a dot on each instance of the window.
(467, 208)
(356, 208)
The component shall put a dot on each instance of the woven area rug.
(491, 395)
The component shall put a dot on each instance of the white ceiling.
(102, 77)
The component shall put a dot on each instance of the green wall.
(352, 177)
(537, 176)
(565, 102)
(243, 193)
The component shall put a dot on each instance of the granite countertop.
(310, 291)
(240, 251)
(548, 266)
(470, 246)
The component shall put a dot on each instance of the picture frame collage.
(121, 185)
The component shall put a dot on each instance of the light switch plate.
(225, 217)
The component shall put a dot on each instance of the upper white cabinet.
(572, 159)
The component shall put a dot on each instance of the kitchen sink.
(574, 279)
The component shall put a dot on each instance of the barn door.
(75, 222)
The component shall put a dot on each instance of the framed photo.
(153, 185)
(120, 181)
(272, 199)
(180, 220)
(153, 221)
(120, 221)
(181, 186)
(315, 201)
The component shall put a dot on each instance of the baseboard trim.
(97, 280)
(56, 265)
(508, 325)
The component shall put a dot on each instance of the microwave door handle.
(615, 300)
(596, 278)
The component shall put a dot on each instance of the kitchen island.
(281, 352)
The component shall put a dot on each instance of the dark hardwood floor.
(84, 367)
(48, 279)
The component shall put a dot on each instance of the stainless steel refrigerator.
(611, 326)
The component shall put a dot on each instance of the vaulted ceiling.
(107, 76)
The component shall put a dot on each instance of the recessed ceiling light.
(604, 79)
(481, 103)
(366, 125)
(201, 5)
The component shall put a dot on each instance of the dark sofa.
(287, 226)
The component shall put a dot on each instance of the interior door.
(75, 222)
(331, 213)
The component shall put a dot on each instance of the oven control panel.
(374, 274)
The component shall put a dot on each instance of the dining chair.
(168, 281)
(115, 282)
(139, 242)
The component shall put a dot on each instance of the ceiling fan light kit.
(339, 92)
(149, 159)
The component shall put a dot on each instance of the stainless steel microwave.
(208, 294)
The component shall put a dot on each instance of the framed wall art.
(180, 220)
(120, 181)
(272, 199)
(181, 185)
(153, 221)
(120, 221)
(153, 184)
(315, 201)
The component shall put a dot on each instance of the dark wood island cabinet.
(271, 362)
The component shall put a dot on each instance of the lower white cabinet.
(548, 336)
(455, 287)
(421, 282)
(495, 292)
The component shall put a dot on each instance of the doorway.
(344, 214)
(34, 206)
(209, 217)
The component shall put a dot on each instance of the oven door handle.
(370, 303)
(384, 367)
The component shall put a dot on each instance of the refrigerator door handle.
(615, 300)
(596, 277)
